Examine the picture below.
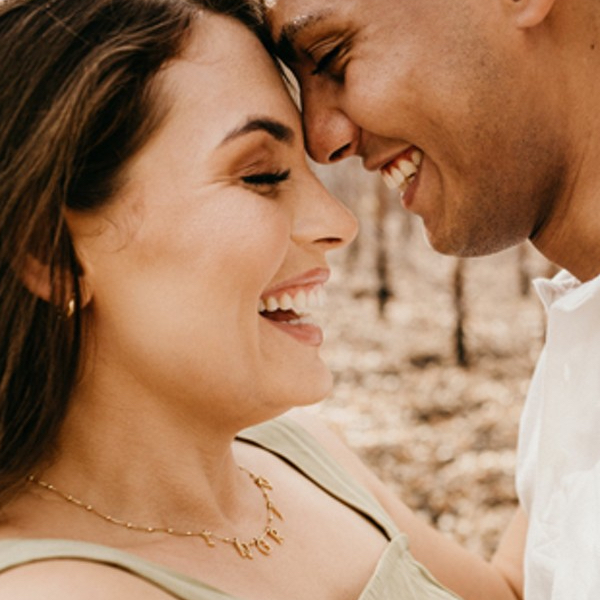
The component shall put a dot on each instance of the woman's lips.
(288, 306)
(306, 333)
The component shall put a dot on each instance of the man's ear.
(35, 275)
(529, 13)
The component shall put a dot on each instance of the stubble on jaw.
(512, 155)
(503, 206)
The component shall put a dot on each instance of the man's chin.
(462, 245)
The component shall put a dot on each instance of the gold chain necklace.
(262, 542)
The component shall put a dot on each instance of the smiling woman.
(162, 248)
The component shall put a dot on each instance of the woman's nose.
(330, 135)
(320, 219)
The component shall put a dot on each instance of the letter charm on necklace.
(244, 549)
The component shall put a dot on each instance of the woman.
(163, 243)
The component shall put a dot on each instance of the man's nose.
(330, 135)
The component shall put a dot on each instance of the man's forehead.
(291, 16)
(292, 28)
(288, 19)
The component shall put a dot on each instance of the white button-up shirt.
(558, 470)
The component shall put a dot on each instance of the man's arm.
(510, 555)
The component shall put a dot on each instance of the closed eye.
(334, 63)
(326, 61)
(270, 178)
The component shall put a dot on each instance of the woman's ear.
(36, 278)
(529, 13)
(35, 275)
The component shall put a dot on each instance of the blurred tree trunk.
(524, 274)
(384, 291)
(460, 311)
(353, 253)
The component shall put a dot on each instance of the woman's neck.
(145, 460)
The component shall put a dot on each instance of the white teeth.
(285, 302)
(398, 177)
(304, 320)
(408, 168)
(300, 303)
(403, 171)
(272, 304)
(387, 178)
(322, 297)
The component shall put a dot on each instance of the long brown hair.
(76, 103)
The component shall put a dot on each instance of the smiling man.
(483, 114)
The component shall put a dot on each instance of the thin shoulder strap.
(291, 442)
(20, 552)
(282, 437)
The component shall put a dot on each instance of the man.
(484, 114)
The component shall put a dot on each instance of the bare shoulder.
(74, 580)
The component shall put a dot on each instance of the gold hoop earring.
(70, 308)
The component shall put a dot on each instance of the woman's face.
(218, 218)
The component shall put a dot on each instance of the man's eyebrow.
(286, 44)
(276, 129)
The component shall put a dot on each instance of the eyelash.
(267, 179)
(323, 65)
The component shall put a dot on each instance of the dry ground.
(442, 436)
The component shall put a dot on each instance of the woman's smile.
(288, 306)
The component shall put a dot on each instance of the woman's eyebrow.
(276, 129)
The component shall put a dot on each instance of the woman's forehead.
(223, 78)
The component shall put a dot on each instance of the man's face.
(446, 93)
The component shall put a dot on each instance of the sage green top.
(397, 575)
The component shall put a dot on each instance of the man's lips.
(378, 160)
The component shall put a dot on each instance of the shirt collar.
(565, 290)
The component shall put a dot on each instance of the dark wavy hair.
(76, 104)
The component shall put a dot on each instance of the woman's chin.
(316, 388)
(311, 387)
